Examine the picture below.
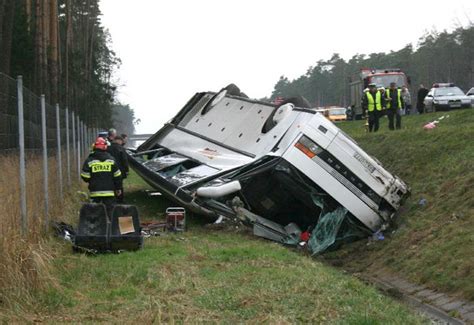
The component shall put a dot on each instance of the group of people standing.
(378, 102)
(393, 102)
(106, 167)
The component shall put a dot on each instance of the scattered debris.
(433, 124)
(378, 236)
(430, 125)
(64, 231)
(422, 202)
(152, 193)
(153, 228)
(234, 225)
(176, 219)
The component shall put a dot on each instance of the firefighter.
(124, 139)
(117, 151)
(373, 102)
(103, 175)
(395, 104)
(111, 135)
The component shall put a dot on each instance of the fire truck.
(380, 77)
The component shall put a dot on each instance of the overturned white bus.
(287, 164)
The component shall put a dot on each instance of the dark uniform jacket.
(422, 92)
(102, 173)
(120, 156)
(394, 98)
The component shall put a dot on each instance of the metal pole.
(81, 136)
(68, 154)
(86, 140)
(45, 161)
(73, 137)
(78, 123)
(83, 139)
(60, 162)
(21, 140)
(89, 139)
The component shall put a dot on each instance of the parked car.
(445, 96)
(470, 93)
(336, 114)
(284, 163)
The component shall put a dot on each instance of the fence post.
(78, 124)
(68, 154)
(21, 140)
(81, 137)
(73, 138)
(45, 161)
(60, 162)
(89, 141)
(92, 135)
(84, 140)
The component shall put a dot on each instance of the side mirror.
(429, 96)
(409, 80)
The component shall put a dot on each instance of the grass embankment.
(434, 244)
(24, 259)
(205, 276)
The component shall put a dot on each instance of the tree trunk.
(39, 49)
(7, 33)
(66, 51)
(53, 49)
(46, 46)
(2, 11)
(28, 13)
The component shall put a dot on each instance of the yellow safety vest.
(399, 95)
(374, 104)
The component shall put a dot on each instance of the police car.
(445, 96)
(470, 93)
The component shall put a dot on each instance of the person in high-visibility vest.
(395, 104)
(373, 102)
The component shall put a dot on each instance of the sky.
(172, 49)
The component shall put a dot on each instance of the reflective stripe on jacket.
(374, 104)
(102, 193)
(102, 173)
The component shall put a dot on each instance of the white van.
(280, 161)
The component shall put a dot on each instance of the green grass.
(205, 276)
(151, 207)
(433, 245)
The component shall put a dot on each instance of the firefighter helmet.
(100, 143)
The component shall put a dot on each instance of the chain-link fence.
(41, 150)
